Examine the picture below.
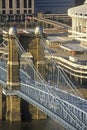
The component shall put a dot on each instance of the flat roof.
(73, 46)
(67, 43)
(79, 10)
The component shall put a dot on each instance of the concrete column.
(76, 24)
(27, 6)
(73, 29)
(14, 6)
(0, 103)
(32, 6)
(7, 6)
(73, 23)
(86, 30)
(21, 7)
(84, 25)
(0, 6)
(81, 25)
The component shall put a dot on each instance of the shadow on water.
(47, 124)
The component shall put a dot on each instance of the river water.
(47, 124)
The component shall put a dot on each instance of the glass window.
(10, 3)
(10, 12)
(25, 3)
(25, 11)
(29, 3)
(29, 11)
(18, 3)
(3, 3)
(3, 12)
(18, 11)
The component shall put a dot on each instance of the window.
(18, 11)
(18, 3)
(3, 12)
(3, 3)
(25, 3)
(10, 12)
(29, 3)
(25, 11)
(10, 3)
(29, 11)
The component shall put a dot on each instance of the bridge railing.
(3, 74)
(57, 106)
(47, 99)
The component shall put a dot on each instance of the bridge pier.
(13, 108)
(0, 103)
(36, 113)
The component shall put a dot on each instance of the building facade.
(79, 23)
(53, 6)
(15, 10)
(16, 6)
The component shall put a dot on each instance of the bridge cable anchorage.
(67, 109)
(61, 70)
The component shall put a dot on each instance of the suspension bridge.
(60, 100)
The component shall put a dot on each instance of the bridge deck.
(72, 99)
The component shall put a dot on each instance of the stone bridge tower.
(12, 101)
(37, 50)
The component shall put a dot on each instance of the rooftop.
(64, 46)
(79, 10)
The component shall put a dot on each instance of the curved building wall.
(79, 23)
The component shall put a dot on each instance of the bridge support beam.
(13, 108)
(0, 103)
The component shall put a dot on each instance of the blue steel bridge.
(60, 100)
